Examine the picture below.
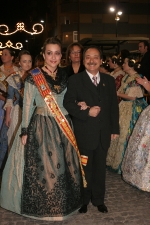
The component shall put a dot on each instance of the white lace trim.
(2, 86)
(118, 73)
(2, 74)
(9, 103)
(10, 79)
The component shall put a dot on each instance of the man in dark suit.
(144, 68)
(145, 61)
(94, 109)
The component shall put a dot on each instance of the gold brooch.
(57, 87)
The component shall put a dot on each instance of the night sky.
(19, 10)
(29, 12)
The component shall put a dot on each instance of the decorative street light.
(9, 44)
(21, 27)
(37, 28)
(117, 18)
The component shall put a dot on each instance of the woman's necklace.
(52, 74)
(8, 69)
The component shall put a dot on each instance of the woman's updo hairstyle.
(51, 40)
(23, 52)
(131, 61)
(11, 52)
(105, 66)
(117, 61)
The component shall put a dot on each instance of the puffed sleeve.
(10, 97)
(136, 92)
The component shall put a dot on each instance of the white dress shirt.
(91, 76)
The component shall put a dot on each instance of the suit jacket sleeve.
(70, 100)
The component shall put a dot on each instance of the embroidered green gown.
(42, 179)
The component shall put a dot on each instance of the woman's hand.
(114, 136)
(125, 96)
(2, 98)
(144, 82)
(83, 105)
(118, 94)
(24, 139)
(8, 120)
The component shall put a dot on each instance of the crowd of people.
(62, 127)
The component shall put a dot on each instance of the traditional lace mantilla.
(58, 85)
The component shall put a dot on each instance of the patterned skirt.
(1, 113)
(129, 111)
(50, 183)
(136, 163)
(3, 135)
(7, 135)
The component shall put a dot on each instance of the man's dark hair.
(95, 47)
(145, 44)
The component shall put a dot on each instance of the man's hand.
(94, 111)
(83, 105)
(114, 136)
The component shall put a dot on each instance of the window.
(67, 21)
(75, 36)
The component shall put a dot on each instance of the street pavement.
(126, 205)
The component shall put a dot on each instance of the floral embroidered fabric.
(51, 185)
(61, 80)
(129, 112)
(136, 163)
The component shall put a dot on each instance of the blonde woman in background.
(6, 69)
(74, 59)
(14, 102)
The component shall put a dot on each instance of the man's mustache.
(91, 64)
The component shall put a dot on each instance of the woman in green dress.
(42, 177)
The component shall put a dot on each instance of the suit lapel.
(88, 83)
(102, 85)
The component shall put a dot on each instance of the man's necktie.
(94, 80)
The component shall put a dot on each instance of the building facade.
(84, 19)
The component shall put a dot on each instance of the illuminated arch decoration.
(21, 27)
(9, 44)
